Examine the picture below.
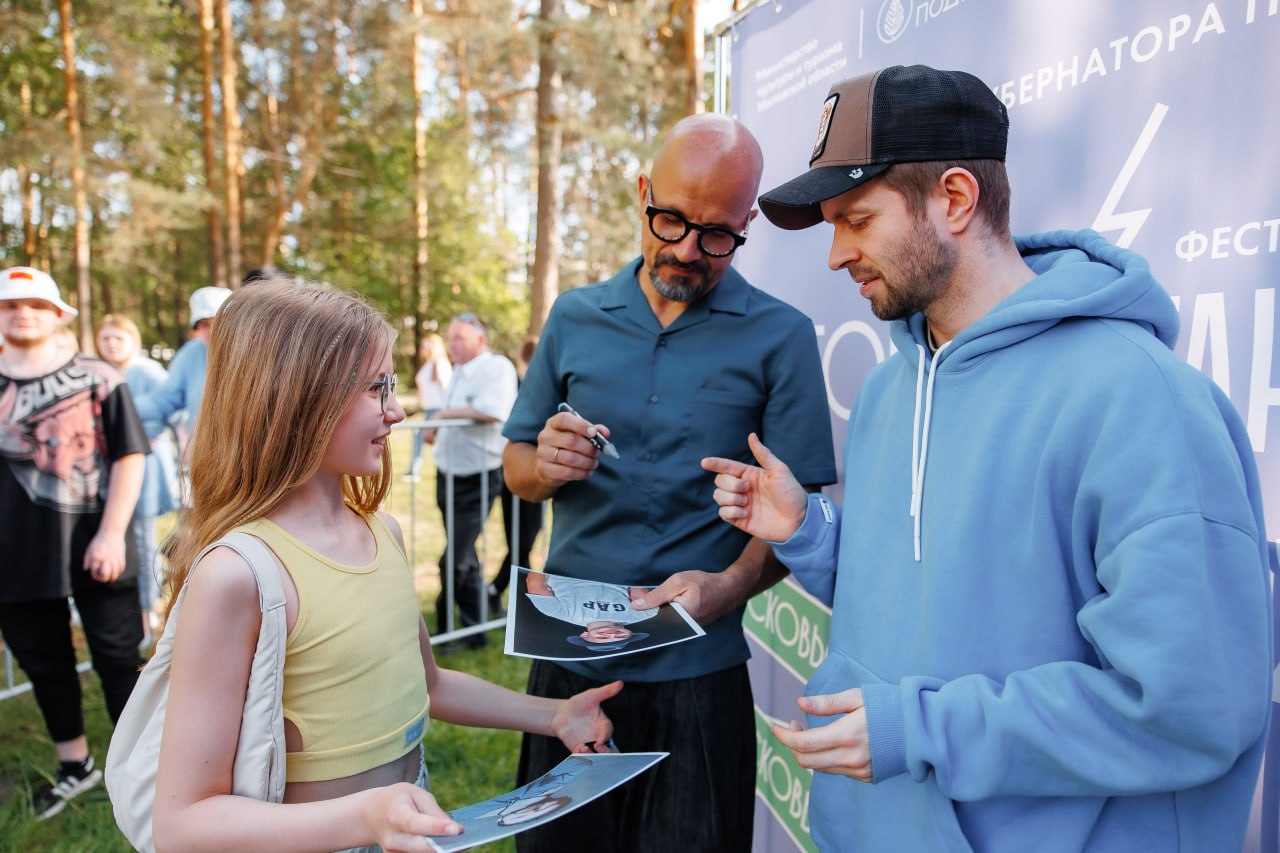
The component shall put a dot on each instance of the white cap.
(206, 301)
(31, 283)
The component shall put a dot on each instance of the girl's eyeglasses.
(385, 385)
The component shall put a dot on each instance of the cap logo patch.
(824, 127)
(855, 174)
(20, 274)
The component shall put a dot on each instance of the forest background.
(434, 155)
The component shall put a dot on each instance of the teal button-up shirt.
(735, 362)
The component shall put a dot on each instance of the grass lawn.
(466, 764)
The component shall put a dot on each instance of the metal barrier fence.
(12, 688)
(453, 632)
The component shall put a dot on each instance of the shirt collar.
(474, 363)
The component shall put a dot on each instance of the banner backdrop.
(1152, 121)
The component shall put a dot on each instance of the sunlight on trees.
(194, 139)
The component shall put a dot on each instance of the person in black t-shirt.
(71, 466)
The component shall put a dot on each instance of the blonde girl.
(291, 446)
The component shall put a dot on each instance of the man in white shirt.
(482, 389)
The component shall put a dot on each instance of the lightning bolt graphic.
(1108, 219)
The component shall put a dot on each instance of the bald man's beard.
(697, 274)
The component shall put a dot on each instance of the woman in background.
(432, 378)
(120, 345)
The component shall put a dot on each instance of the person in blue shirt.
(183, 389)
(675, 358)
(1049, 578)
(120, 345)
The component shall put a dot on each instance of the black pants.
(38, 633)
(530, 525)
(469, 514)
(699, 799)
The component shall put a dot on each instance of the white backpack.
(134, 753)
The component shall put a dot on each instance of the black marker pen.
(602, 444)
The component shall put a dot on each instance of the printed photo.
(577, 780)
(560, 618)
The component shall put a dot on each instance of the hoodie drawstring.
(920, 435)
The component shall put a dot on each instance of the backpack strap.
(262, 562)
(270, 653)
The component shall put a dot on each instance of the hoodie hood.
(1079, 274)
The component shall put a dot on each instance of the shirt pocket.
(719, 422)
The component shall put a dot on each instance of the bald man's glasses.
(671, 227)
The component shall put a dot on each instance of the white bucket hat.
(206, 301)
(31, 283)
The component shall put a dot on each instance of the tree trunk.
(27, 188)
(692, 59)
(274, 226)
(26, 179)
(209, 133)
(230, 141)
(84, 301)
(546, 252)
(106, 291)
(421, 212)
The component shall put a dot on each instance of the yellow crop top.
(353, 678)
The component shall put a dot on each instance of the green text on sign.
(783, 785)
(791, 625)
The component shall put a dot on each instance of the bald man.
(673, 359)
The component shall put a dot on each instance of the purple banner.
(1152, 122)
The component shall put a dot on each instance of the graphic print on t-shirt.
(49, 436)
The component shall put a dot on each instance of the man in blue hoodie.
(183, 388)
(1049, 580)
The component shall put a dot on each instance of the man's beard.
(681, 292)
(920, 271)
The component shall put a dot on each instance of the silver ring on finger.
(556, 458)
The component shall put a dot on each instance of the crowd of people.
(1037, 500)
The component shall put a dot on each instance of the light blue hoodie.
(183, 389)
(1077, 658)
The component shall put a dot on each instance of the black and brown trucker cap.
(900, 114)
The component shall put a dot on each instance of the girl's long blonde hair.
(286, 358)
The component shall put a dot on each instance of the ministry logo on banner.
(893, 20)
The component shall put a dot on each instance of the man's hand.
(705, 596)
(840, 747)
(766, 502)
(104, 558)
(581, 724)
(565, 451)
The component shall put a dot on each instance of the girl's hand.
(399, 815)
(581, 724)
